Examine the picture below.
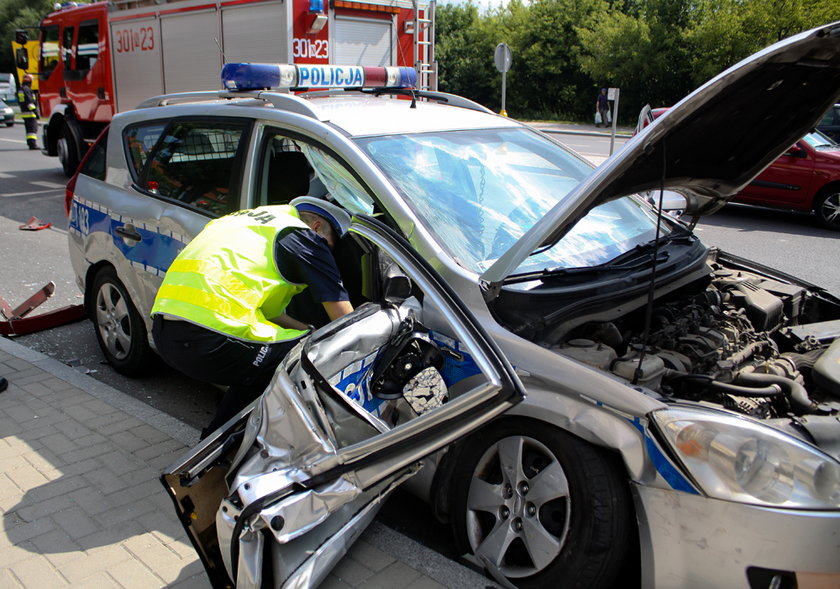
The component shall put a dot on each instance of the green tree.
(464, 46)
(726, 31)
(546, 79)
(641, 50)
(15, 14)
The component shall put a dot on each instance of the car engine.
(752, 344)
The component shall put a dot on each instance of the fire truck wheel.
(68, 150)
(120, 329)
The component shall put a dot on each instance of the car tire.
(68, 148)
(120, 330)
(827, 208)
(10, 124)
(575, 531)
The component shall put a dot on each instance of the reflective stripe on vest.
(226, 279)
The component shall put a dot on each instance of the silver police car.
(585, 391)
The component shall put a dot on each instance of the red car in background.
(804, 178)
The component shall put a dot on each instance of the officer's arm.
(336, 309)
(289, 322)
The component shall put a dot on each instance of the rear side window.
(139, 142)
(197, 163)
(94, 163)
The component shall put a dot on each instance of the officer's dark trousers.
(209, 356)
(31, 126)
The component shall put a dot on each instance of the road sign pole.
(503, 58)
(614, 94)
(504, 93)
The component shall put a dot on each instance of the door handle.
(128, 231)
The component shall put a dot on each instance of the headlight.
(737, 459)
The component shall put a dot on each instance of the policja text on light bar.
(259, 76)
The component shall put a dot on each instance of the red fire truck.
(103, 58)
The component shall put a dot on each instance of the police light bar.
(259, 76)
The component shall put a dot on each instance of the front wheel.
(541, 507)
(69, 149)
(10, 124)
(120, 329)
(827, 208)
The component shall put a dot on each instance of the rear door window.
(197, 163)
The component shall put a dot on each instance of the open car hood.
(710, 144)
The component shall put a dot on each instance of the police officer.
(30, 117)
(219, 315)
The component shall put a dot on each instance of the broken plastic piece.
(34, 224)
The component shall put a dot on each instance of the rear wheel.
(69, 149)
(827, 208)
(120, 329)
(542, 507)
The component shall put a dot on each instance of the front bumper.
(693, 541)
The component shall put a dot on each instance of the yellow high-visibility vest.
(226, 278)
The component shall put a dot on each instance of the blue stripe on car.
(664, 466)
(154, 252)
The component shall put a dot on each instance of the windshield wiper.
(652, 244)
(639, 261)
(638, 257)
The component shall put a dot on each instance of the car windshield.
(479, 191)
(818, 140)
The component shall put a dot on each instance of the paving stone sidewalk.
(82, 506)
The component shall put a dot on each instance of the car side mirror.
(795, 151)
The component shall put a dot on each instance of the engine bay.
(737, 338)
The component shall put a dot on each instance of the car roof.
(361, 115)
(355, 113)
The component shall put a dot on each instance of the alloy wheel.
(518, 507)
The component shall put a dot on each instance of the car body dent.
(315, 466)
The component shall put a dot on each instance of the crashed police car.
(572, 379)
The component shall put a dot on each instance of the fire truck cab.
(107, 57)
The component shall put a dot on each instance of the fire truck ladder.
(424, 46)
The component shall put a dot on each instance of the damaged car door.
(278, 495)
